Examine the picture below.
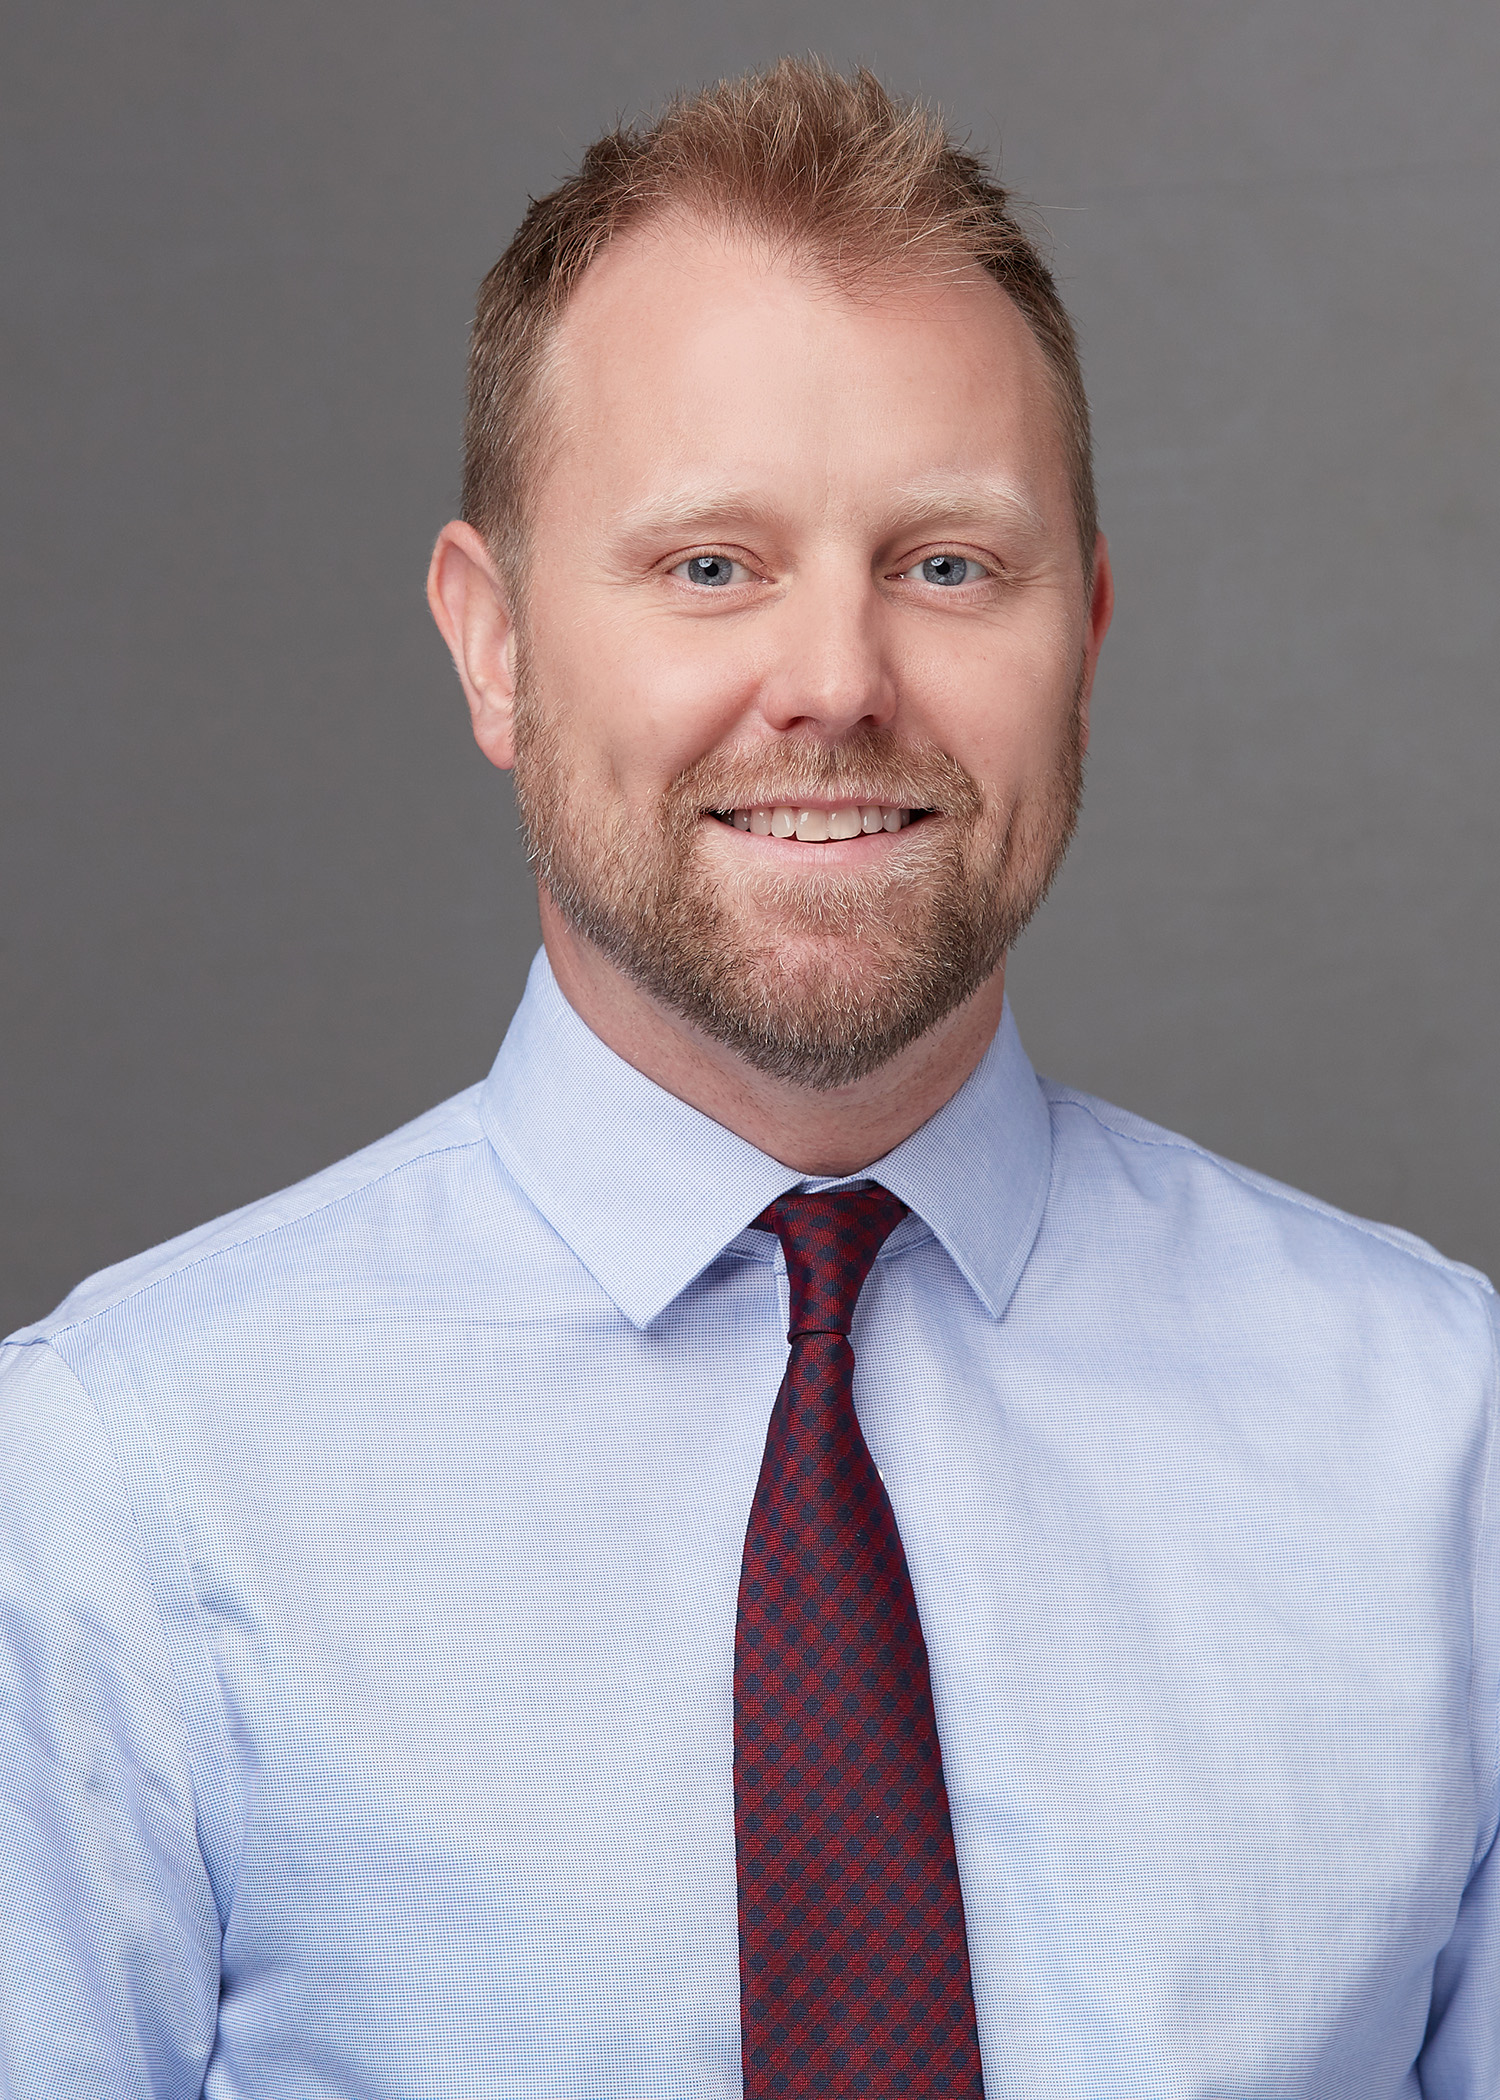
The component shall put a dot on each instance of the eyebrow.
(933, 499)
(686, 510)
(925, 502)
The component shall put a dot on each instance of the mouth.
(816, 825)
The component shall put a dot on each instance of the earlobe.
(472, 610)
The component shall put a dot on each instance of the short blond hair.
(836, 169)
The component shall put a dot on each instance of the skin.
(710, 398)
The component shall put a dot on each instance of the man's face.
(799, 562)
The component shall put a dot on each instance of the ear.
(1101, 612)
(471, 606)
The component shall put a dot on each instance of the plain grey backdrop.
(263, 899)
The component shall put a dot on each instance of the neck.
(834, 1130)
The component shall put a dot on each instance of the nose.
(829, 670)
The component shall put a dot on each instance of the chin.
(813, 1011)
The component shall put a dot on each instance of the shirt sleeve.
(109, 1934)
(1461, 2057)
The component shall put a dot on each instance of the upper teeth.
(783, 821)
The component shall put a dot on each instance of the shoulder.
(1143, 1184)
(342, 1225)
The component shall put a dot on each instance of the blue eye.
(711, 571)
(949, 570)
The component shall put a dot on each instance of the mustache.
(869, 766)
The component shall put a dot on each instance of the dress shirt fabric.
(368, 1566)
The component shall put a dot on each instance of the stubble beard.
(819, 976)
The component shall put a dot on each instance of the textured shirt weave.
(368, 1575)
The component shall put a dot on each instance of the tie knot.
(830, 1242)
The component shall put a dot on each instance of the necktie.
(854, 1966)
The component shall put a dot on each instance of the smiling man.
(791, 649)
(763, 1548)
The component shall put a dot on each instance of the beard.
(814, 976)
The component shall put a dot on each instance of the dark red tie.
(854, 1965)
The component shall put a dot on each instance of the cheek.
(638, 705)
(1001, 704)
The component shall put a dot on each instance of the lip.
(824, 802)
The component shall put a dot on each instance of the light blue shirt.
(367, 1597)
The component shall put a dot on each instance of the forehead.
(688, 353)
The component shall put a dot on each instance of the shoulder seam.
(194, 1261)
(1295, 1199)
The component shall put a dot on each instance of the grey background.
(263, 899)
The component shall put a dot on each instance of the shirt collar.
(647, 1191)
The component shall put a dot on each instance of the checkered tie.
(854, 1966)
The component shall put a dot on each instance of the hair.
(836, 170)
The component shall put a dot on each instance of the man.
(455, 1642)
